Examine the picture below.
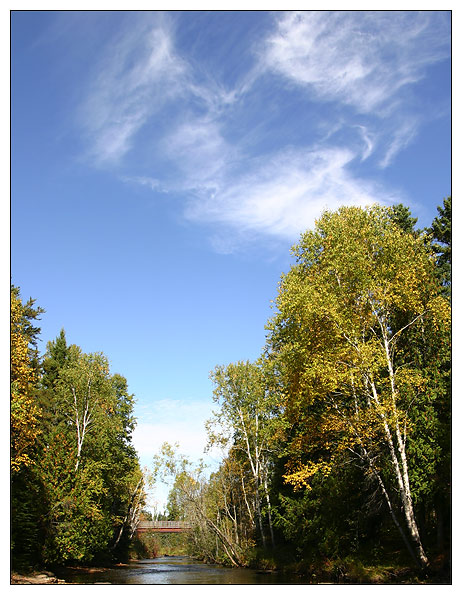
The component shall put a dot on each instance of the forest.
(336, 441)
(76, 484)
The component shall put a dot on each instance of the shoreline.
(42, 577)
(46, 577)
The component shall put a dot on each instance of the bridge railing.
(164, 525)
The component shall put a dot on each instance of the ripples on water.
(173, 570)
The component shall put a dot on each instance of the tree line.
(337, 440)
(76, 484)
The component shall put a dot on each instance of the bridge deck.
(162, 526)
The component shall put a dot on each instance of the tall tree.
(196, 500)
(24, 379)
(85, 396)
(401, 215)
(56, 358)
(359, 285)
(88, 465)
(77, 488)
(441, 234)
(243, 422)
(26, 493)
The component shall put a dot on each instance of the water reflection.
(173, 570)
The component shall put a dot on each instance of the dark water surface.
(173, 570)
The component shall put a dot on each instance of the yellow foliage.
(337, 335)
(24, 413)
(300, 475)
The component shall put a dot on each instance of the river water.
(174, 570)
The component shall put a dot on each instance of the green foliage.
(345, 419)
(79, 530)
(152, 545)
(441, 236)
(57, 358)
(175, 507)
(78, 497)
(355, 313)
(347, 414)
(208, 505)
(23, 381)
(244, 423)
(27, 533)
(401, 216)
(89, 444)
(25, 418)
(145, 545)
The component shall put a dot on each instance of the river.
(174, 570)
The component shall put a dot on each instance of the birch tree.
(85, 394)
(87, 464)
(359, 285)
(243, 423)
(192, 496)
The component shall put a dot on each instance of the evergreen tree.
(401, 216)
(26, 496)
(361, 284)
(77, 488)
(441, 234)
(88, 465)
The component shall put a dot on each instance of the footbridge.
(163, 526)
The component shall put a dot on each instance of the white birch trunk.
(268, 503)
(83, 421)
(405, 489)
(398, 459)
(255, 464)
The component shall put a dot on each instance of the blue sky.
(163, 164)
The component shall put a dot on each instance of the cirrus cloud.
(238, 155)
(135, 78)
(282, 194)
(359, 58)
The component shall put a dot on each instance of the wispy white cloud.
(361, 61)
(200, 151)
(137, 77)
(175, 421)
(148, 439)
(368, 141)
(400, 138)
(281, 195)
(357, 58)
(152, 183)
(134, 79)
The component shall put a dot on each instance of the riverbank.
(46, 577)
(355, 571)
(262, 570)
(43, 577)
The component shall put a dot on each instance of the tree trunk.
(439, 509)
(393, 516)
(402, 471)
(268, 503)
(402, 478)
(229, 548)
(259, 519)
